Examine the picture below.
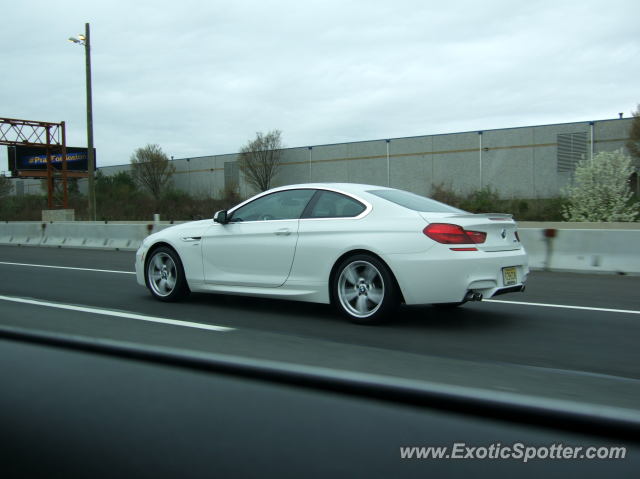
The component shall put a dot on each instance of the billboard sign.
(23, 158)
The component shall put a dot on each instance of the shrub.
(600, 190)
(444, 194)
(488, 201)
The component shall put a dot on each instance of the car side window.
(282, 205)
(335, 205)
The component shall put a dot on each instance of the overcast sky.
(200, 78)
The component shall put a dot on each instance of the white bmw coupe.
(363, 248)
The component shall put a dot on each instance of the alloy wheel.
(361, 289)
(162, 274)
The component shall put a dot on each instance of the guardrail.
(569, 247)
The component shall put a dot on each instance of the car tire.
(164, 275)
(364, 290)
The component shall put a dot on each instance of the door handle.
(283, 232)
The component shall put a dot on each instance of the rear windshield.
(415, 202)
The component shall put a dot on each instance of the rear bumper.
(440, 275)
(510, 289)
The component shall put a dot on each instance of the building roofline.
(461, 132)
(402, 138)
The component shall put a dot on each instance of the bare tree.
(5, 187)
(633, 143)
(152, 170)
(260, 159)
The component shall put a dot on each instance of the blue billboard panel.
(35, 159)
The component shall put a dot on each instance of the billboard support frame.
(30, 133)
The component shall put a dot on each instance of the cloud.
(201, 78)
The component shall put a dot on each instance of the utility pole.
(92, 160)
(85, 40)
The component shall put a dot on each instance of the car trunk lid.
(500, 228)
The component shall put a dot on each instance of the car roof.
(346, 187)
(358, 191)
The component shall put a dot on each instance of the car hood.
(192, 228)
(190, 225)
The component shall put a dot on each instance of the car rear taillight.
(447, 234)
(518, 237)
(478, 237)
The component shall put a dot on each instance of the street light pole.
(92, 160)
(85, 40)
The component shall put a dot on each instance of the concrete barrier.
(100, 235)
(572, 247)
(609, 251)
(95, 236)
(21, 233)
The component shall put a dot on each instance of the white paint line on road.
(118, 314)
(605, 310)
(68, 267)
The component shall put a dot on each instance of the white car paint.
(266, 249)
(254, 258)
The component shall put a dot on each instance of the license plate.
(509, 276)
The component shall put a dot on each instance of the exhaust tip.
(471, 296)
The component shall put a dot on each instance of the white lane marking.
(484, 300)
(563, 306)
(68, 267)
(118, 314)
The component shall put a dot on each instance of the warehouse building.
(524, 162)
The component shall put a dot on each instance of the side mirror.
(220, 217)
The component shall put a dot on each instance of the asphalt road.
(585, 355)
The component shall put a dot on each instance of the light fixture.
(81, 40)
